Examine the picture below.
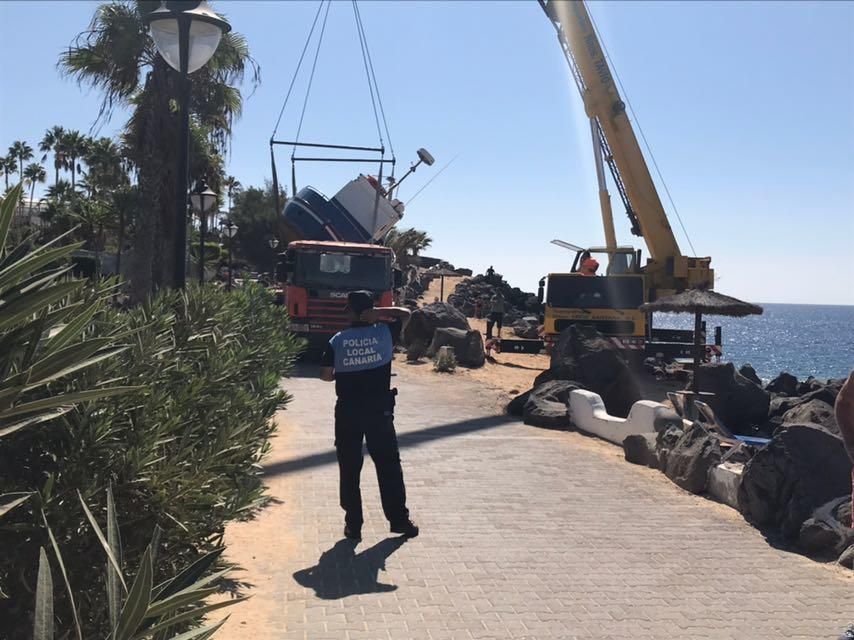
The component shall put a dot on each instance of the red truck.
(318, 275)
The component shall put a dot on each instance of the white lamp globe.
(205, 31)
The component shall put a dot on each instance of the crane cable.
(296, 71)
(311, 77)
(643, 136)
(372, 81)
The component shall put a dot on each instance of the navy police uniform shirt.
(361, 357)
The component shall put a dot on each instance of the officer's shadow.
(340, 572)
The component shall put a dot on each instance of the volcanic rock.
(424, 322)
(815, 411)
(801, 468)
(738, 402)
(516, 406)
(468, 345)
(639, 449)
(527, 327)
(690, 460)
(785, 384)
(547, 405)
(484, 287)
(749, 372)
(665, 441)
(584, 355)
(829, 529)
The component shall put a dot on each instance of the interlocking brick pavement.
(526, 533)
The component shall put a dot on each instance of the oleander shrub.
(169, 404)
(445, 361)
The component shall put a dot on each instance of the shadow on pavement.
(340, 572)
(405, 440)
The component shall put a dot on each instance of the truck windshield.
(595, 292)
(342, 271)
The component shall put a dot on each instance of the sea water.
(802, 339)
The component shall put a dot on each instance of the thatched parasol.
(442, 272)
(698, 302)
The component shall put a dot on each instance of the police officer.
(359, 359)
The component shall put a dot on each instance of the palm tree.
(22, 151)
(117, 55)
(60, 199)
(232, 188)
(106, 168)
(73, 145)
(34, 173)
(8, 165)
(52, 142)
(407, 244)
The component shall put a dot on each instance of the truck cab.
(318, 275)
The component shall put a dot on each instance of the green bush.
(445, 360)
(180, 448)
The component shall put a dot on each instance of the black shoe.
(406, 527)
(353, 532)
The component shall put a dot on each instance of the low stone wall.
(588, 414)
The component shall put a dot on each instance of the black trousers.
(493, 319)
(371, 420)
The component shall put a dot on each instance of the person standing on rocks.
(358, 360)
(844, 410)
(497, 309)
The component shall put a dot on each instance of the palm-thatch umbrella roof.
(703, 301)
(442, 272)
(699, 302)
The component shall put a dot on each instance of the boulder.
(814, 411)
(780, 405)
(665, 440)
(808, 385)
(640, 449)
(828, 530)
(586, 356)
(468, 345)
(785, 384)
(527, 327)
(416, 350)
(740, 453)
(749, 372)
(846, 559)
(517, 405)
(738, 402)
(689, 461)
(824, 392)
(547, 405)
(424, 322)
(801, 468)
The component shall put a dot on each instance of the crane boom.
(668, 268)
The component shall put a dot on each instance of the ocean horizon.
(802, 339)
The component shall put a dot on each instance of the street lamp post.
(273, 242)
(230, 231)
(186, 34)
(203, 201)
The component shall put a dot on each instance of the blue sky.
(747, 107)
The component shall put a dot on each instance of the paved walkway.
(526, 533)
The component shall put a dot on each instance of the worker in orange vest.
(588, 265)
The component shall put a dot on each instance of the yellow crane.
(610, 302)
